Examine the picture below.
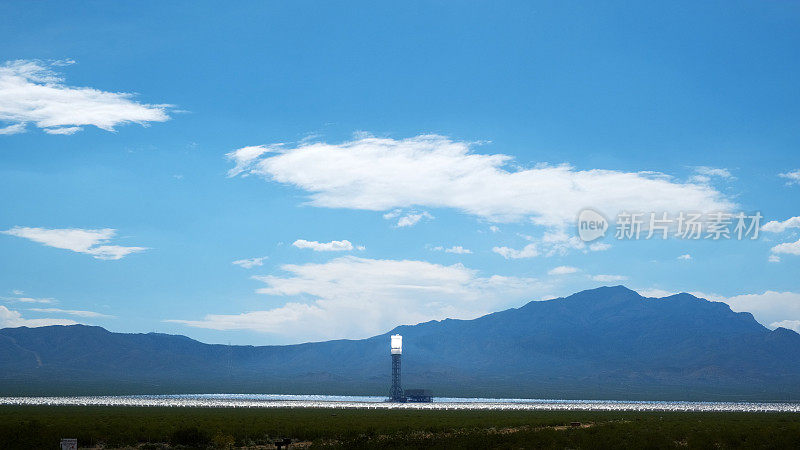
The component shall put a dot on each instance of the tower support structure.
(397, 353)
(397, 389)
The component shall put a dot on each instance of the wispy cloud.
(359, 297)
(608, 278)
(793, 177)
(88, 241)
(13, 129)
(244, 157)
(32, 92)
(704, 174)
(383, 174)
(555, 242)
(46, 301)
(599, 246)
(456, 249)
(72, 312)
(655, 292)
(250, 263)
(685, 257)
(332, 246)
(563, 270)
(408, 218)
(529, 251)
(10, 318)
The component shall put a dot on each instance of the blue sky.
(127, 211)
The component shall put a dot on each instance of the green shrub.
(190, 437)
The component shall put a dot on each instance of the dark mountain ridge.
(602, 343)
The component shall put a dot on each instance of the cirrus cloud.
(383, 174)
(608, 278)
(704, 174)
(456, 249)
(10, 318)
(73, 312)
(250, 262)
(793, 177)
(88, 241)
(529, 251)
(563, 270)
(351, 297)
(32, 92)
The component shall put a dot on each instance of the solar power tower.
(397, 352)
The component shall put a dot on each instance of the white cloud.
(494, 229)
(246, 156)
(775, 226)
(250, 263)
(599, 246)
(554, 242)
(654, 293)
(381, 174)
(30, 300)
(563, 270)
(793, 177)
(793, 325)
(32, 92)
(456, 249)
(699, 294)
(72, 312)
(704, 174)
(558, 242)
(10, 318)
(713, 171)
(332, 246)
(685, 257)
(78, 240)
(407, 219)
(358, 297)
(769, 308)
(529, 251)
(66, 131)
(790, 248)
(13, 129)
(113, 252)
(608, 278)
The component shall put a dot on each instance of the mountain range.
(605, 343)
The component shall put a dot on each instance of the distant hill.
(606, 343)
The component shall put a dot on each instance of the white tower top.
(397, 344)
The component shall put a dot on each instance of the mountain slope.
(601, 343)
